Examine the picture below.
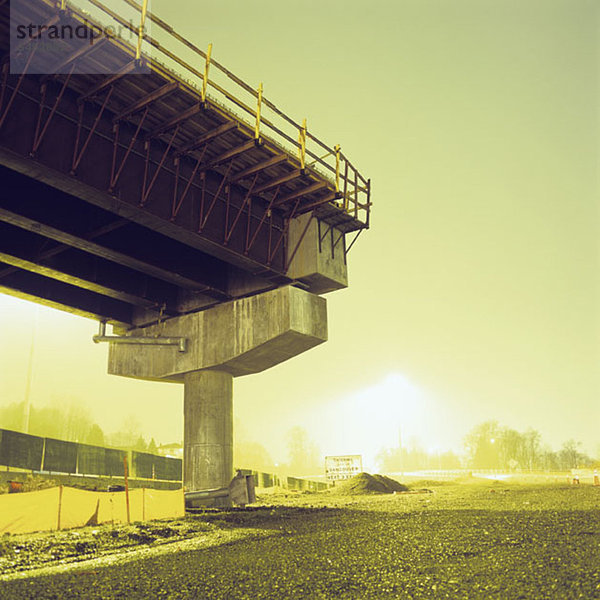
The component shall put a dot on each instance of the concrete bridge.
(177, 204)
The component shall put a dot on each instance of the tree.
(95, 436)
(152, 448)
(11, 416)
(511, 449)
(70, 422)
(483, 445)
(548, 460)
(414, 458)
(449, 461)
(140, 444)
(252, 455)
(569, 455)
(129, 434)
(531, 439)
(302, 452)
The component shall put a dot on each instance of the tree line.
(490, 445)
(73, 423)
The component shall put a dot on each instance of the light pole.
(27, 407)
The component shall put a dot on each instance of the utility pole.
(27, 408)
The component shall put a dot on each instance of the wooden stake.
(126, 489)
(60, 493)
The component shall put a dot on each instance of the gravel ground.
(461, 541)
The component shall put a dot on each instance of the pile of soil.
(365, 483)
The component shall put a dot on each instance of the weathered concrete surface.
(237, 338)
(240, 337)
(321, 265)
(207, 430)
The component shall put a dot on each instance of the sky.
(474, 295)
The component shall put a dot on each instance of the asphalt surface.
(458, 544)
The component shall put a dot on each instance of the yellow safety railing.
(138, 50)
(261, 115)
(206, 66)
(302, 144)
(259, 102)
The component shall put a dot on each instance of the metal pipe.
(204, 494)
(148, 341)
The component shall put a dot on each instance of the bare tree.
(303, 453)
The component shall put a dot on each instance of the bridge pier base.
(236, 338)
(208, 430)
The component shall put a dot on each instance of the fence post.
(258, 105)
(337, 167)
(206, 65)
(138, 50)
(302, 142)
(126, 489)
(60, 493)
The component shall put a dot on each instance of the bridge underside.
(93, 262)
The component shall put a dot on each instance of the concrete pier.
(208, 429)
(229, 340)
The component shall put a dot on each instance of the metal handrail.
(342, 173)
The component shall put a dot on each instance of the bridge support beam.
(229, 340)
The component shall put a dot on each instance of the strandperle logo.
(79, 38)
(85, 31)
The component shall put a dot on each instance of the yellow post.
(63, 4)
(206, 65)
(337, 168)
(138, 50)
(257, 128)
(125, 470)
(60, 495)
(302, 141)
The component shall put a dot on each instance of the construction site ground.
(468, 539)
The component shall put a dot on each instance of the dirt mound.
(365, 483)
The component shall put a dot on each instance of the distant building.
(174, 450)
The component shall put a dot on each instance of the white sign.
(338, 468)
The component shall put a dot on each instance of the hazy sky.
(475, 295)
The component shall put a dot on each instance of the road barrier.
(64, 508)
(33, 453)
(296, 483)
(268, 480)
(52, 456)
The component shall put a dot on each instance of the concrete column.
(229, 340)
(208, 430)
